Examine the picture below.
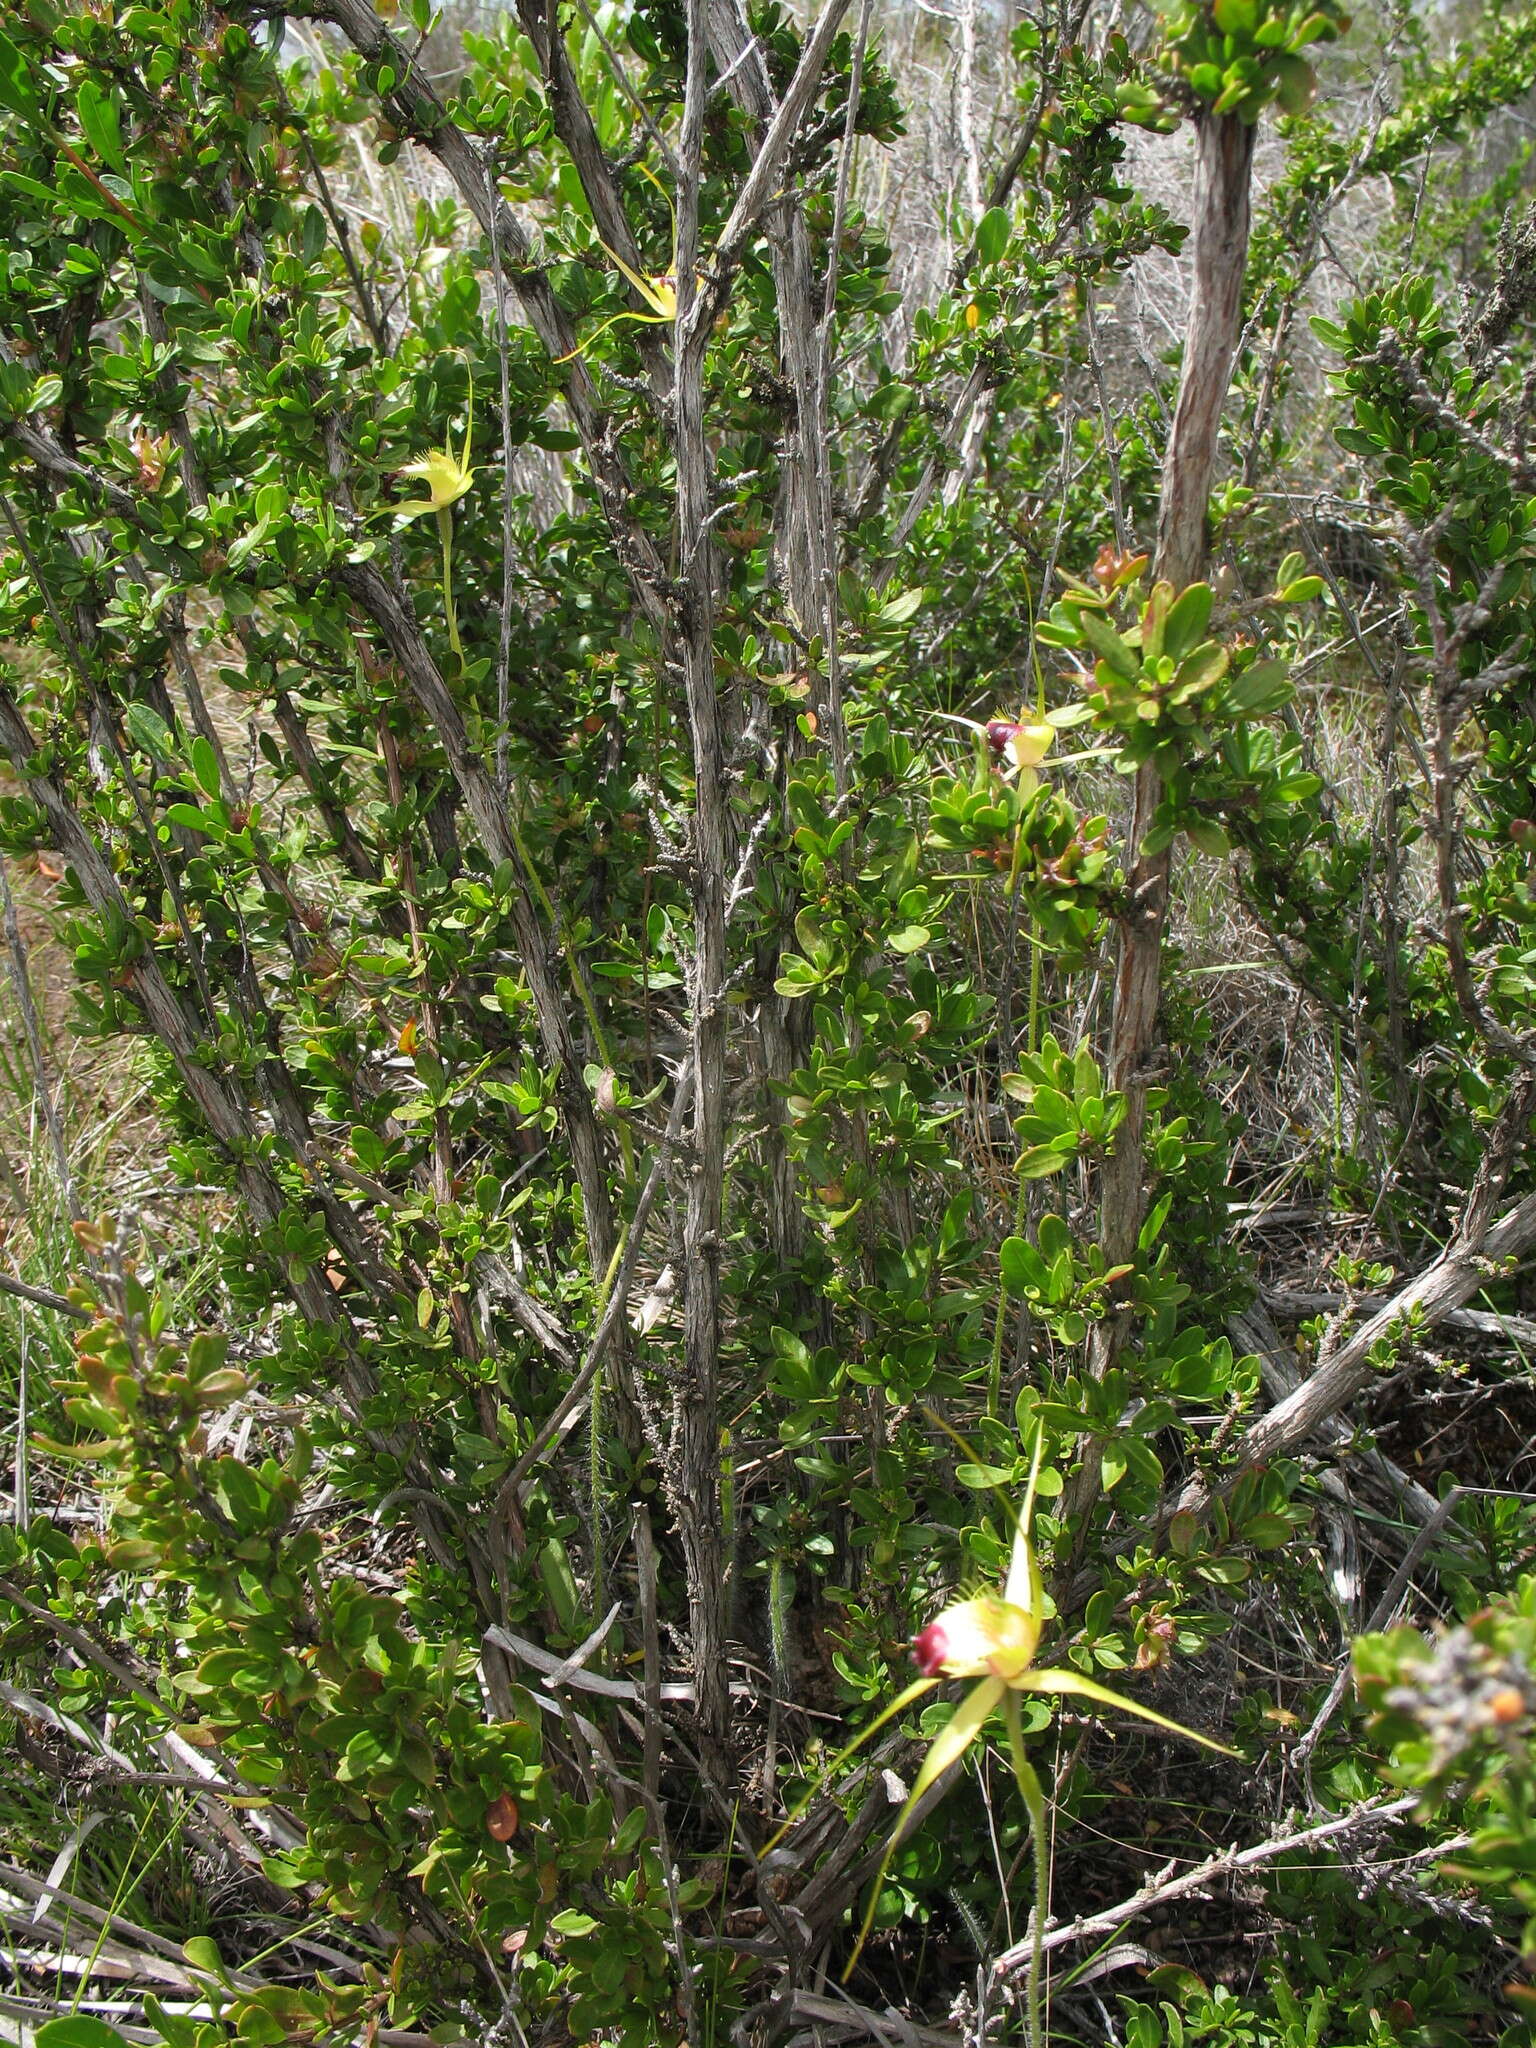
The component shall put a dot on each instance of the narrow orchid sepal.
(953, 1740)
(1073, 1683)
(903, 1700)
(1025, 1587)
(947, 1747)
(645, 320)
(659, 293)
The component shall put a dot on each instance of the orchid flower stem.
(1000, 1324)
(445, 532)
(1034, 1799)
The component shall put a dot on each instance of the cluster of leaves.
(1239, 56)
(1455, 1715)
(321, 1700)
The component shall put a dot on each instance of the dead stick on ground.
(1227, 1862)
(1466, 1264)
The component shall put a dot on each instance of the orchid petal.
(1074, 1683)
(646, 320)
(656, 292)
(1024, 1588)
(1031, 742)
(951, 1742)
(902, 1700)
(947, 1747)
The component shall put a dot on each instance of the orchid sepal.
(659, 293)
(947, 1748)
(1024, 1587)
(902, 1701)
(1074, 1684)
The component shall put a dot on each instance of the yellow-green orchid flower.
(992, 1638)
(1016, 745)
(659, 290)
(447, 477)
(659, 293)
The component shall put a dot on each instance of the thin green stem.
(1034, 1799)
(445, 531)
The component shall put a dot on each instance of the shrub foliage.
(670, 828)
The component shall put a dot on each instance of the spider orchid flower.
(448, 477)
(991, 1638)
(659, 293)
(1024, 742)
(658, 289)
(1017, 745)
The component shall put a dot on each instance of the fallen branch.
(1458, 1273)
(1478, 1322)
(1163, 1888)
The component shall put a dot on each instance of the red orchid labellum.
(1022, 742)
(1015, 746)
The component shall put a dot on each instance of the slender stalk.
(1034, 1798)
(445, 533)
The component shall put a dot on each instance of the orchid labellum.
(992, 1638)
(1015, 745)
(1023, 742)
